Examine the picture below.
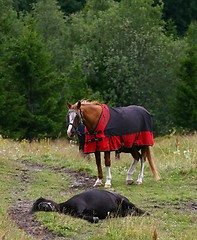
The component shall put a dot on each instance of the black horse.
(91, 205)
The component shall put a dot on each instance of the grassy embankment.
(169, 201)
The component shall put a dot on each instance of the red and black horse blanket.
(120, 128)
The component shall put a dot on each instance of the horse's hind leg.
(129, 179)
(141, 174)
(151, 162)
(99, 167)
(135, 154)
(143, 156)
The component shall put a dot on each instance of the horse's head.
(74, 118)
(46, 205)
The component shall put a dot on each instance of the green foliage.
(23, 5)
(97, 6)
(71, 6)
(68, 6)
(9, 25)
(186, 104)
(10, 98)
(75, 88)
(30, 90)
(116, 52)
(126, 56)
(50, 24)
(182, 13)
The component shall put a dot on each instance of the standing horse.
(126, 129)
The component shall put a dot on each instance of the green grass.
(8, 183)
(167, 200)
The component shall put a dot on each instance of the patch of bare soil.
(181, 205)
(20, 212)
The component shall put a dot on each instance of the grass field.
(172, 201)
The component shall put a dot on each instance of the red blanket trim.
(139, 139)
(99, 142)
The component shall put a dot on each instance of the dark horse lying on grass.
(91, 205)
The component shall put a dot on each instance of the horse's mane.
(86, 101)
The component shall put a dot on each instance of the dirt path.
(20, 211)
(26, 221)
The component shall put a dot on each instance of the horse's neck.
(91, 115)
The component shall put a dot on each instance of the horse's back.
(128, 120)
(98, 201)
(92, 197)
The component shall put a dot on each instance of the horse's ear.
(68, 104)
(79, 104)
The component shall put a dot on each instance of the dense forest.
(141, 52)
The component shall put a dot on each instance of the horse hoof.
(130, 182)
(138, 182)
(97, 184)
(107, 185)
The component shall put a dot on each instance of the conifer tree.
(31, 100)
(186, 104)
(50, 24)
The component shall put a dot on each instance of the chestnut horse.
(89, 113)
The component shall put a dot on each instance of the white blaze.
(71, 119)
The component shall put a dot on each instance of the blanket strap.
(94, 140)
(93, 133)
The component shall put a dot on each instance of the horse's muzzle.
(71, 134)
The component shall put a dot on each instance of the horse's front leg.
(99, 167)
(107, 165)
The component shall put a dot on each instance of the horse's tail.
(152, 164)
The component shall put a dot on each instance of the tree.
(10, 99)
(50, 23)
(23, 5)
(186, 104)
(126, 56)
(71, 6)
(68, 6)
(31, 102)
(9, 24)
(181, 12)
